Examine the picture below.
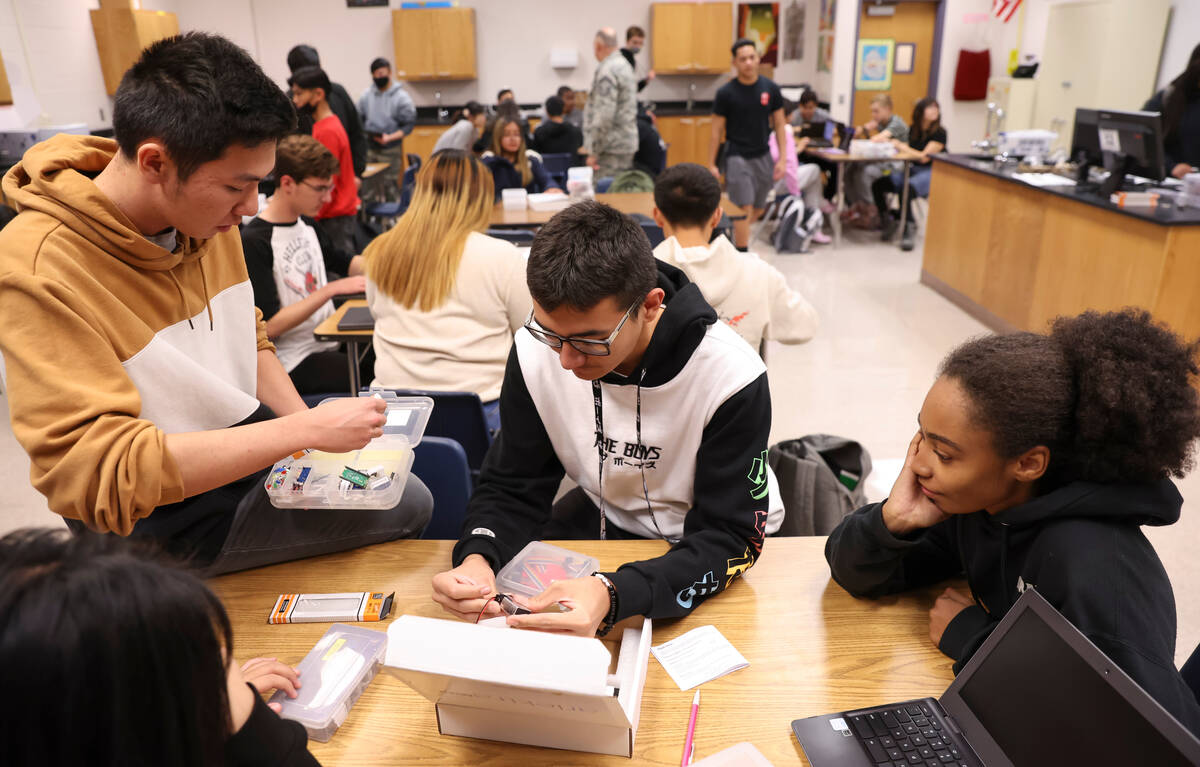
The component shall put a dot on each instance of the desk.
(373, 168)
(904, 154)
(626, 202)
(1016, 256)
(812, 648)
(327, 331)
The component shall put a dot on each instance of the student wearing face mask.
(310, 89)
(339, 101)
(388, 115)
(635, 40)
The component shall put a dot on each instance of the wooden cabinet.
(122, 34)
(434, 43)
(422, 140)
(691, 38)
(687, 138)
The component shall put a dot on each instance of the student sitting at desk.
(446, 297)
(141, 380)
(555, 135)
(749, 294)
(884, 127)
(465, 131)
(288, 258)
(928, 137)
(108, 657)
(512, 166)
(1038, 459)
(624, 380)
(800, 179)
(1179, 104)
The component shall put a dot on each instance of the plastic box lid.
(334, 674)
(538, 565)
(314, 479)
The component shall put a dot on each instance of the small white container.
(865, 148)
(538, 565)
(579, 184)
(514, 199)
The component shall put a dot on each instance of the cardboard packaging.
(524, 686)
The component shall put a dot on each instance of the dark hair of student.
(790, 106)
(634, 31)
(199, 94)
(311, 78)
(303, 56)
(107, 656)
(1111, 395)
(809, 96)
(1181, 90)
(587, 253)
(741, 42)
(564, 90)
(917, 131)
(554, 106)
(380, 63)
(687, 194)
(500, 94)
(472, 109)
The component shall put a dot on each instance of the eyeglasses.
(589, 346)
(507, 606)
(322, 189)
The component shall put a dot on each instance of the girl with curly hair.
(1038, 457)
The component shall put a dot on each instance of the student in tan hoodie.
(749, 294)
(142, 383)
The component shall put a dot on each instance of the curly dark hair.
(1111, 395)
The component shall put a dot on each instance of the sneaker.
(821, 238)
(908, 242)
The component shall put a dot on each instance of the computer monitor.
(1085, 141)
(1122, 142)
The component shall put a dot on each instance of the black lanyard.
(598, 402)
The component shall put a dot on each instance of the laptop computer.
(1036, 693)
(356, 318)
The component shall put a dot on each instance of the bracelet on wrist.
(610, 619)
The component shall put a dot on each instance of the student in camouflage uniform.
(610, 119)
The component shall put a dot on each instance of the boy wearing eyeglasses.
(623, 380)
(289, 257)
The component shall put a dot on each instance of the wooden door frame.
(934, 63)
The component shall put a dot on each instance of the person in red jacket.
(310, 94)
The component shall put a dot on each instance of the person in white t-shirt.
(749, 294)
(289, 260)
(446, 298)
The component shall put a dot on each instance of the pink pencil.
(688, 746)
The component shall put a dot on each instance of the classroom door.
(913, 22)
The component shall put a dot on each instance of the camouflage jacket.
(610, 118)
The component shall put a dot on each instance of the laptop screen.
(1074, 716)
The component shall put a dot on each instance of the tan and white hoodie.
(111, 342)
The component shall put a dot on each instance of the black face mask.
(382, 82)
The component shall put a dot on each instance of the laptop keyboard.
(907, 735)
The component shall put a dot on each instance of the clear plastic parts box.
(333, 675)
(538, 565)
(371, 478)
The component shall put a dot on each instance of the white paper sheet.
(1044, 179)
(701, 655)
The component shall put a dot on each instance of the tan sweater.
(463, 344)
(111, 342)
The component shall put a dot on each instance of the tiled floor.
(864, 376)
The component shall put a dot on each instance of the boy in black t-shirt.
(747, 109)
(288, 258)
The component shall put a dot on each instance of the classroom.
(651, 382)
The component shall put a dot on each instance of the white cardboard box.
(524, 686)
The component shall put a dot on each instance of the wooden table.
(812, 649)
(373, 168)
(327, 330)
(626, 202)
(904, 154)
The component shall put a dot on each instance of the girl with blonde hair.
(512, 165)
(446, 297)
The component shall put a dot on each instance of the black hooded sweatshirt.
(1080, 546)
(705, 411)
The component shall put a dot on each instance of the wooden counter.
(1016, 256)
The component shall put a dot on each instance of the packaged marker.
(319, 608)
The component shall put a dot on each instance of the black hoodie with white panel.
(1081, 546)
(701, 397)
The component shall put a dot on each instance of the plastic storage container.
(333, 674)
(514, 199)
(538, 565)
(371, 478)
(579, 183)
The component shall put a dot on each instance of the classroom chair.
(458, 416)
(557, 165)
(442, 465)
(518, 237)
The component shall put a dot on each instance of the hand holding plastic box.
(538, 565)
(371, 478)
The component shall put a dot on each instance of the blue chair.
(458, 416)
(515, 236)
(442, 465)
(556, 166)
(654, 233)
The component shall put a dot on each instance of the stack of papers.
(1044, 179)
(701, 655)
